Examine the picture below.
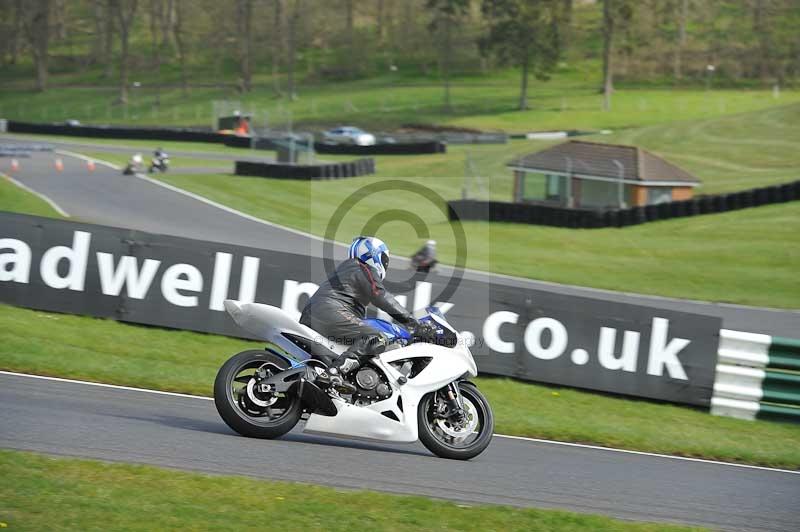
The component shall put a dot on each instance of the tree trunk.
(277, 46)
(19, 31)
(446, 65)
(125, 16)
(294, 19)
(99, 30)
(608, 37)
(59, 19)
(683, 16)
(177, 33)
(523, 89)
(349, 35)
(37, 28)
(381, 22)
(108, 48)
(156, 14)
(244, 17)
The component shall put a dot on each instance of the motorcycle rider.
(159, 158)
(424, 259)
(338, 308)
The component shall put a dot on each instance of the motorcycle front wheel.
(457, 441)
(243, 407)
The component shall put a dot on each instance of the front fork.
(455, 403)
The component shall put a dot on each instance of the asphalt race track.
(107, 197)
(76, 419)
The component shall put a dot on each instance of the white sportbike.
(413, 390)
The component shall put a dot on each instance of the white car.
(348, 135)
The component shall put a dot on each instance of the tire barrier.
(356, 168)
(538, 214)
(415, 148)
(758, 377)
(114, 132)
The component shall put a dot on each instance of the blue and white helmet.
(372, 252)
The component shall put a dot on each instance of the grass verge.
(107, 351)
(45, 493)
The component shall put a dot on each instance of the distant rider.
(425, 259)
(338, 308)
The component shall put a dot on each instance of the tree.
(292, 38)
(124, 11)
(36, 23)
(614, 12)
(683, 19)
(244, 38)
(446, 15)
(524, 33)
(178, 35)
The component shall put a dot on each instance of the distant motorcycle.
(134, 166)
(416, 389)
(160, 163)
(424, 260)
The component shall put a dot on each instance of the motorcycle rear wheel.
(247, 412)
(437, 435)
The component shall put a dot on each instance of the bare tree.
(614, 13)
(278, 37)
(125, 11)
(177, 33)
(36, 22)
(446, 15)
(683, 19)
(291, 49)
(108, 48)
(244, 38)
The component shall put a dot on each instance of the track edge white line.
(39, 195)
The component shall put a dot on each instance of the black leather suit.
(338, 309)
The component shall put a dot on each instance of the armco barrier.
(758, 376)
(113, 132)
(541, 214)
(416, 148)
(306, 172)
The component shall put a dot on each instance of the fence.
(533, 213)
(758, 376)
(306, 172)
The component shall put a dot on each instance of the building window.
(656, 195)
(553, 187)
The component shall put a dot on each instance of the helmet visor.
(385, 261)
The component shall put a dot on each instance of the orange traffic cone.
(14, 165)
(90, 165)
(59, 165)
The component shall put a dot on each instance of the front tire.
(444, 440)
(246, 413)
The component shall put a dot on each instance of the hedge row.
(529, 213)
(113, 132)
(306, 172)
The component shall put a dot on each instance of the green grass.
(46, 493)
(107, 351)
(13, 198)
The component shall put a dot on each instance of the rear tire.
(227, 401)
(432, 438)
